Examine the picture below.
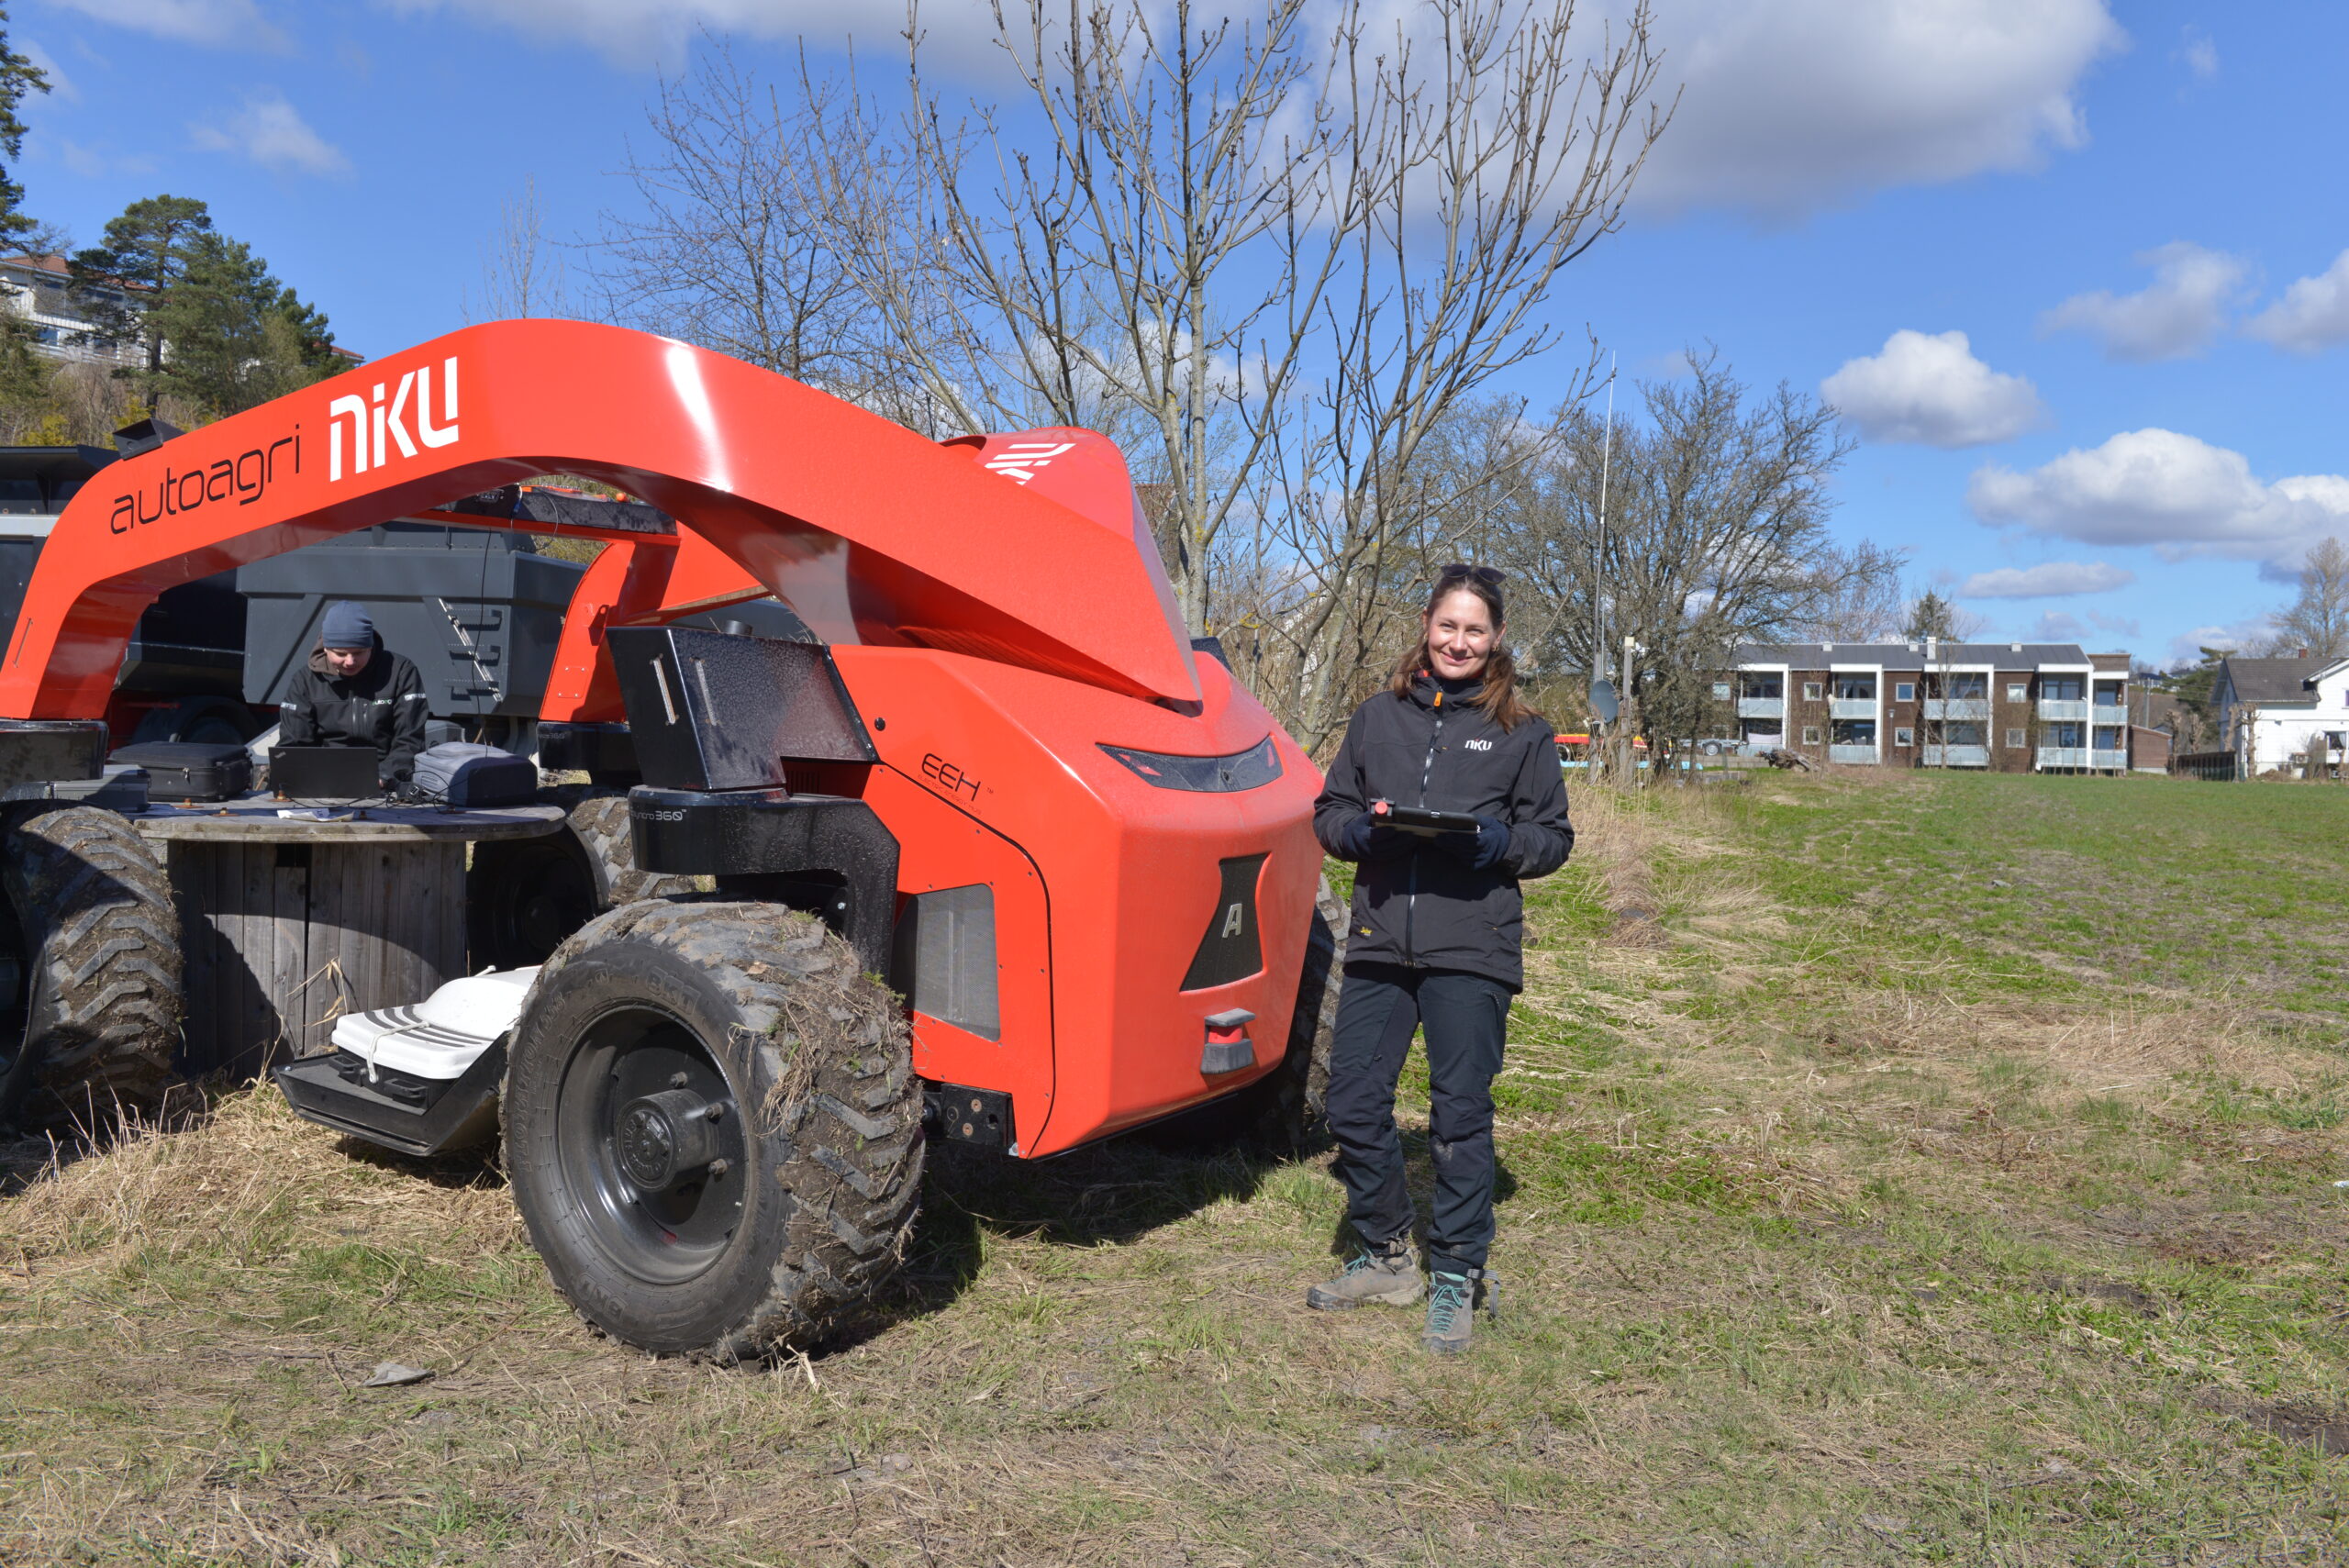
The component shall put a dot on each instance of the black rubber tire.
(524, 898)
(97, 1015)
(1288, 1107)
(600, 824)
(825, 1118)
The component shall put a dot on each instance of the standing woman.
(1436, 942)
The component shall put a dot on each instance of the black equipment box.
(712, 710)
(190, 769)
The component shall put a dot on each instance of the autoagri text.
(246, 476)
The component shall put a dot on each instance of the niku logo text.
(371, 427)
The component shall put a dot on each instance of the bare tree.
(1275, 262)
(522, 271)
(723, 250)
(1858, 596)
(1716, 534)
(2316, 625)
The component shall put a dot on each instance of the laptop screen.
(323, 772)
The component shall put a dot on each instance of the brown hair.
(1498, 697)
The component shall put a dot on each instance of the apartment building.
(34, 287)
(2003, 707)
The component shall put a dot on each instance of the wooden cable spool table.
(287, 924)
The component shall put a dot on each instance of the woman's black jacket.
(1417, 903)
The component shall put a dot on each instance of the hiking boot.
(1387, 1276)
(1452, 1309)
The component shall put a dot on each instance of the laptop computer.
(324, 772)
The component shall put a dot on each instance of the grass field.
(1931, 1170)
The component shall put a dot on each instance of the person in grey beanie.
(356, 692)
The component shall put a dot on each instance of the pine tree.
(18, 76)
(232, 344)
(123, 282)
(1931, 616)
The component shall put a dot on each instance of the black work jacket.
(383, 705)
(1415, 903)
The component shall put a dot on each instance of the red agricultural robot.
(997, 856)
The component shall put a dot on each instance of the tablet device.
(323, 772)
(1420, 819)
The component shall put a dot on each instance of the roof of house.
(2272, 680)
(1910, 655)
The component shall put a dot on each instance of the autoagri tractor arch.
(994, 608)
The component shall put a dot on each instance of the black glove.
(1368, 837)
(1485, 848)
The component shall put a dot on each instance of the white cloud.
(2186, 647)
(2201, 56)
(1798, 104)
(2047, 580)
(2177, 314)
(186, 21)
(2183, 497)
(89, 161)
(657, 32)
(2056, 626)
(2312, 315)
(1930, 389)
(59, 84)
(272, 132)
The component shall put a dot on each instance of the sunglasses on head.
(1489, 575)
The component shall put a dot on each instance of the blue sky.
(2120, 209)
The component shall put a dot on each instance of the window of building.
(2017, 692)
(1720, 691)
(1810, 691)
(1760, 686)
(1904, 691)
(1973, 687)
(1852, 732)
(2014, 740)
(1811, 735)
(1904, 737)
(1970, 735)
(1855, 688)
(2062, 688)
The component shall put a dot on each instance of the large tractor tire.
(94, 1017)
(1288, 1107)
(713, 1129)
(524, 897)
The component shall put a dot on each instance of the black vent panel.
(1230, 950)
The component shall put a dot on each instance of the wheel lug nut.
(717, 1112)
(719, 1167)
(678, 1080)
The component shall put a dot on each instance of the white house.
(38, 288)
(2272, 710)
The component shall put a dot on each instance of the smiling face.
(1461, 635)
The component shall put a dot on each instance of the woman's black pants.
(1465, 1018)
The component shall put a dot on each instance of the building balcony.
(1857, 756)
(1851, 707)
(2108, 713)
(1761, 708)
(2063, 756)
(2099, 758)
(1938, 709)
(1957, 756)
(2059, 710)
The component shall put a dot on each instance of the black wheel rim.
(651, 1143)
